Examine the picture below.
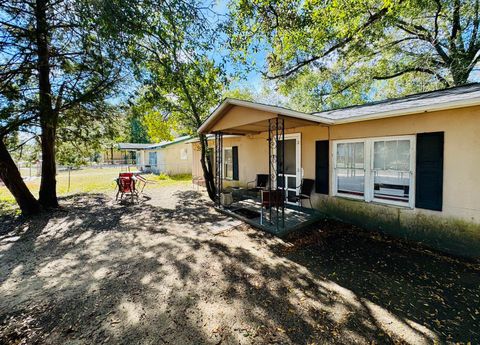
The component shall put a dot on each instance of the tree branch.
(293, 69)
(415, 69)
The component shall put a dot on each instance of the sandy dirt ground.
(171, 270)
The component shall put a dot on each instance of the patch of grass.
(88, 180)
(8, 206)
(164, 177)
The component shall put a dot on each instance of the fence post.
(68, 188)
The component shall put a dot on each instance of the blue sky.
(251, 79)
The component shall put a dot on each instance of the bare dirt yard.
(171, 270)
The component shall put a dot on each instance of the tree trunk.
(207, 168)
(13, 181)
(48, 116)
(48, 183)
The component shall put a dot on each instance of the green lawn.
(87, 180)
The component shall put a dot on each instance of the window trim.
(334, 169)
(368, 193)
(155, 153)
(183, 157)
(224, 170)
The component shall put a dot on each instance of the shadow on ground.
(152, 273)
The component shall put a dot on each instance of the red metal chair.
(126, 186)
(273, 198)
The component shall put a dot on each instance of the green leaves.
(323, 53)
(169, 44)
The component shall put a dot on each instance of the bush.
(165, 177)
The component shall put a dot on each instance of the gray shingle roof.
(168, 143)
(135, 146)
(132, 146)
(420, 100)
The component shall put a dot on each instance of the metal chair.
(261, 182)
(198, 181)
(306, 189)
(274, 198)
(142, 182)
(126, 186)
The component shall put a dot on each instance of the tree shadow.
(153, 272)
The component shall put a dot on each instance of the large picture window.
(375, 169)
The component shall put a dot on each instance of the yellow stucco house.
(168, 157)
(408, 166)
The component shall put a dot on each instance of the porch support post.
(272, 147)
(277, 190)
(276, 137)
(280, 190)
(282, 172)
(218, 165)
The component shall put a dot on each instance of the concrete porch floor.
(249, 211)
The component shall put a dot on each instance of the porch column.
(218, 165)
(276, 167)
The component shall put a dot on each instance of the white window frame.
(183, 154)
(155, 153)
(224, 169)
(366, 160)
(368, 193)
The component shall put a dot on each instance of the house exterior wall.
(169, 159)
(174, 165)
(455, 229)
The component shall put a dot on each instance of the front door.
(291, 179)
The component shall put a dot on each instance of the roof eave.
(204, 128)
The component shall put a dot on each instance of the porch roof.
(226, 119)
(255, 120)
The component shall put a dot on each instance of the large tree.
(83, 133)
(16, 113)
(55, 58)
(171, 43)
(351, 49)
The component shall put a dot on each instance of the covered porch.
(271, 206)
(278, 221)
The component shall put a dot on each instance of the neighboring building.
(407, 166)
(123, 153)
(168, 157)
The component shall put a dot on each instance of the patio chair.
(273, 198)
(261, 183)
(198, 181)
(142, 182)
(126, 186)
(126, 174)
(306, 189)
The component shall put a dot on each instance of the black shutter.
(429, 171)
(235, 162)
(321, 167)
